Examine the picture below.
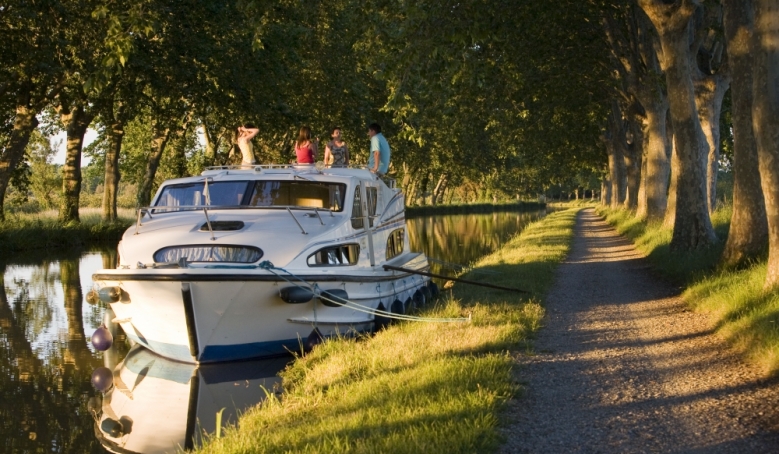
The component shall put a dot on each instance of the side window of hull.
(341, 255)
(395, 243)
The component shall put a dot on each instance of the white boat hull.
(210, 315)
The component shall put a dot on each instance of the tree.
(692, 226)
(748, 235)
(765, 121)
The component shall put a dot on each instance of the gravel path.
(622, 365)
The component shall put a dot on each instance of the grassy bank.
(742, 311)
(43, 231)
(416, 387)
(473, 208)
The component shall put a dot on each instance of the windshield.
(299, 193)
(225, 193)
(328, 196)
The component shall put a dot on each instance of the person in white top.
(244, 140)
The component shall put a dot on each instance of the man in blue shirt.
(379, 156)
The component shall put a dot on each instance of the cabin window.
(192, 195)
(372, 195)
(266, 193)
(208, 253)
(395, 243)
(328, 196)
(341, 255)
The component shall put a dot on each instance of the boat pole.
(366, 220)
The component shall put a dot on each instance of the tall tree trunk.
(115, 136)
(211, 145)
(158, 144)
(656, 162)
(605, 192)
(615, 147)
(24, 124)
(76, 121)
(633, 158)
(765, 118)
(711, 80)
(709, 93)
(748, 236)
(439, 188)
(29, 102)
(692, 226)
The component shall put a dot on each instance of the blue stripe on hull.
(217, 353)
(214, 353)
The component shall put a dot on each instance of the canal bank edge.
(32, 234)
(417, 387)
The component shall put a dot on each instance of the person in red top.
(305, 149)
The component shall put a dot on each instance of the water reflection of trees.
(462, 239)
(44, 409)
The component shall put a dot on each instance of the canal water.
(48, 402)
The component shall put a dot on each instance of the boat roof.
(277, 171)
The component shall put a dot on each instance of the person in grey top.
(338, 149)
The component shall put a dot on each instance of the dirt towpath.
(622, 365)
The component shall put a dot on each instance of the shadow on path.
(622, 365)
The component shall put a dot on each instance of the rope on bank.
(456, 279)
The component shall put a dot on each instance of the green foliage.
(481, 101)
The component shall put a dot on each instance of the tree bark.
(24, 124)
(211, 145)
(748, 236)
(633, 157)
(76, 121)
(765, 121)
(158, 144)
(115, 128)
(605, 192)
(615, 147)
(709, 93)
(692, 226)
(711, 79)
(670, 212)
(439, 188)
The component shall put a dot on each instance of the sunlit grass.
(416, 387)
(742, 311)
(24, 231)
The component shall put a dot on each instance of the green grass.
(21, 232)
(742, 311)
(416, 387)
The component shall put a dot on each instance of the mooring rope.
(267, 265)
(456, 279)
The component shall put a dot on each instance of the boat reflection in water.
(157, 405)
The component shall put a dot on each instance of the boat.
(156, 405)
(246, 262)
